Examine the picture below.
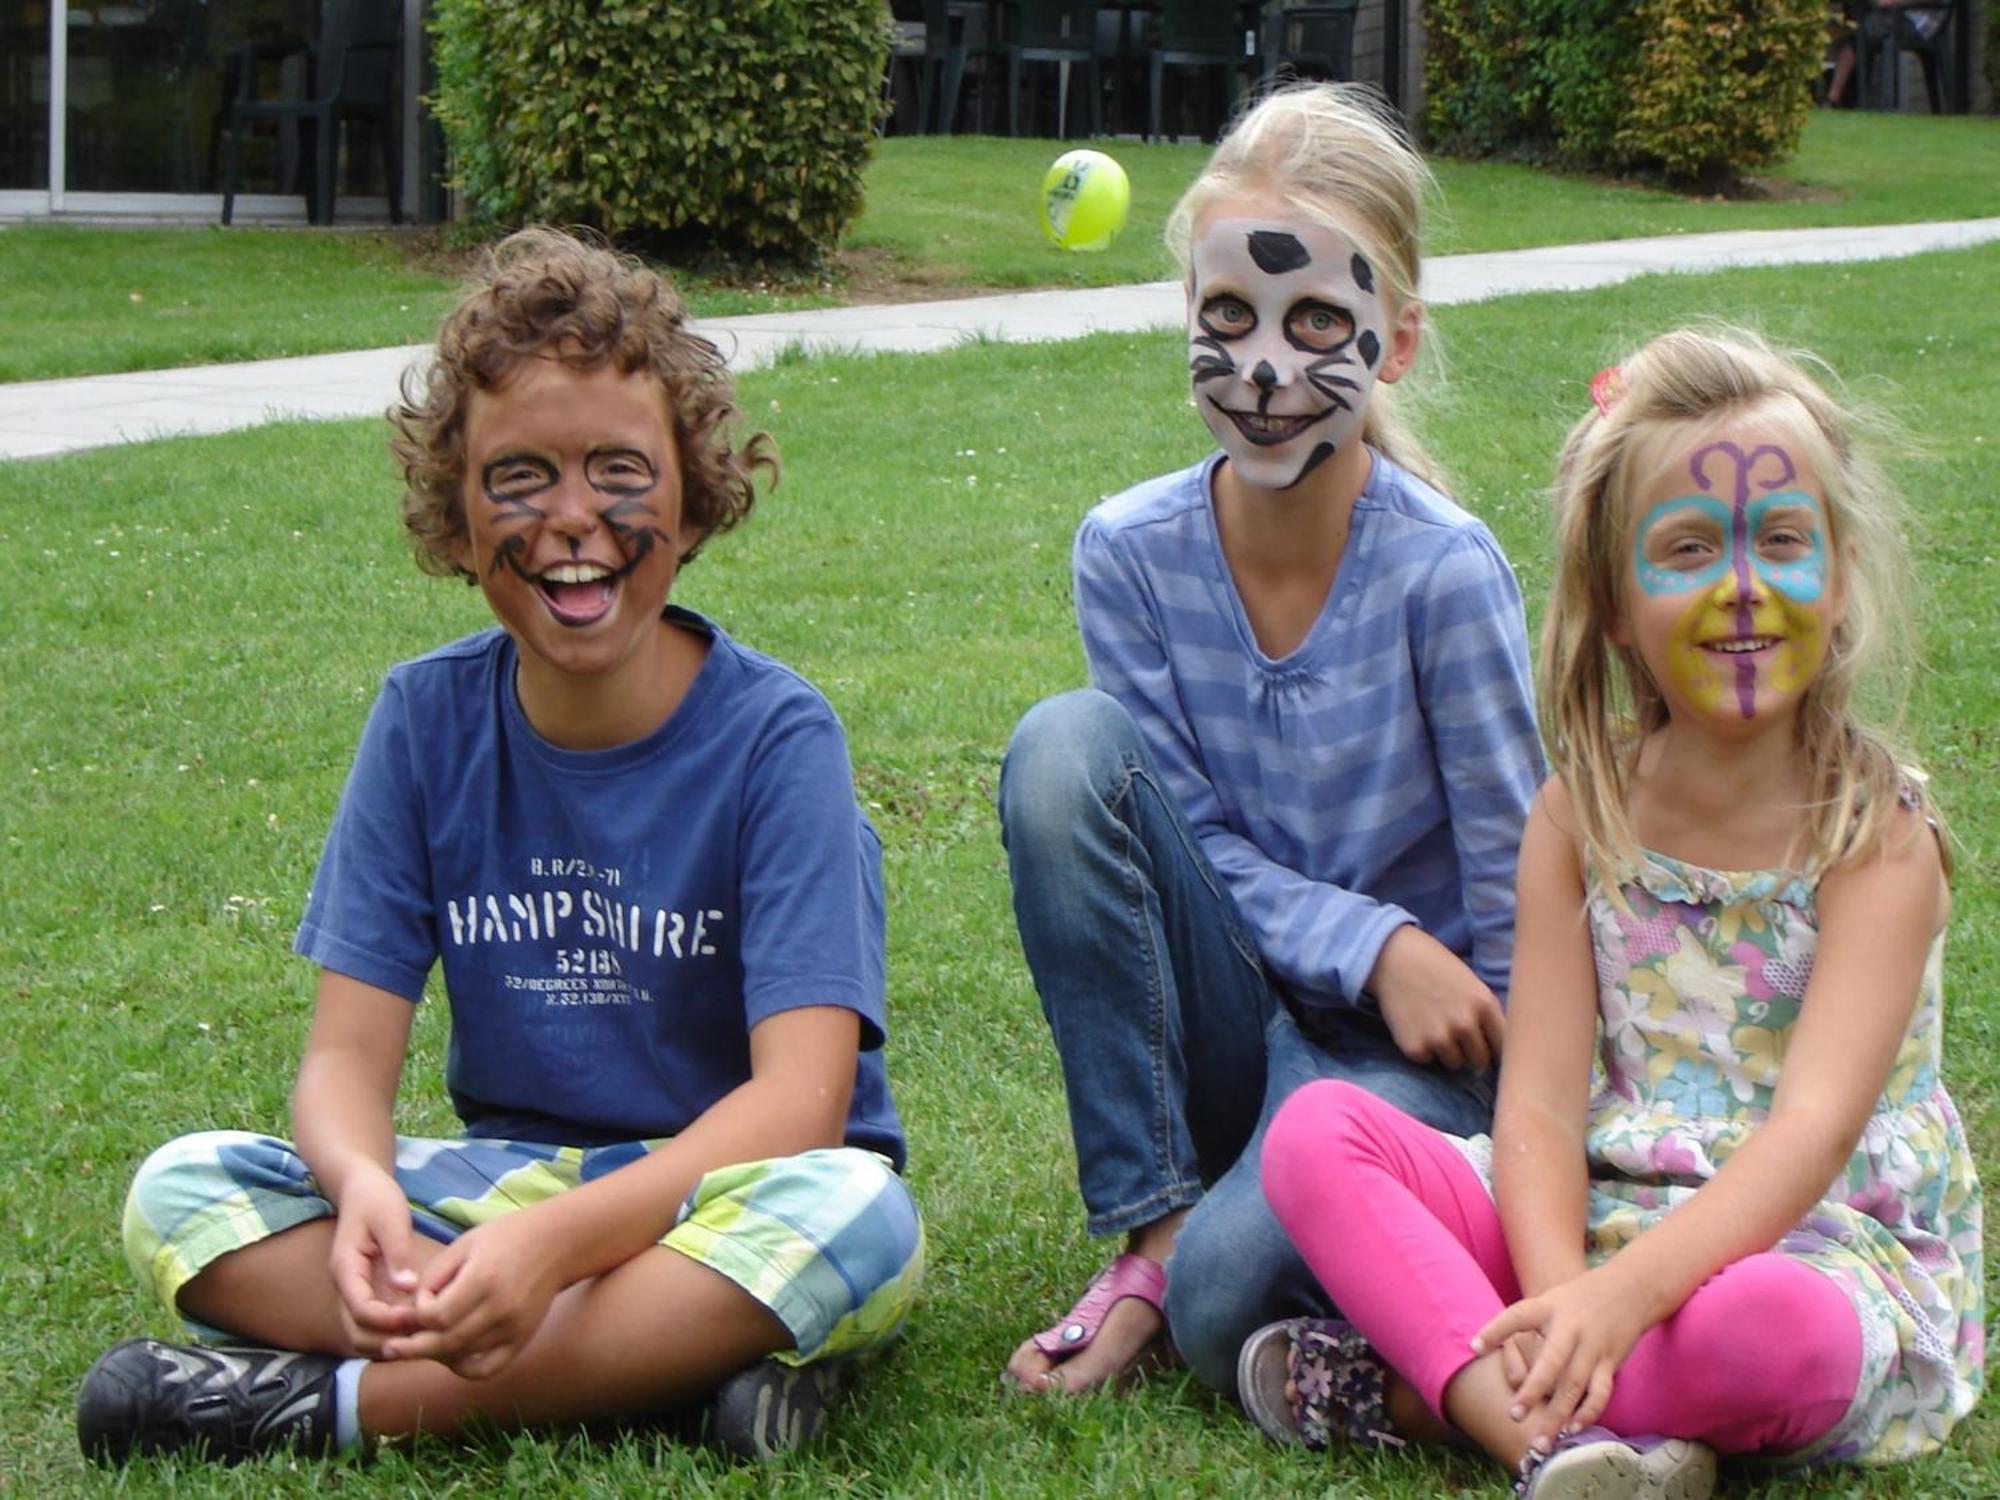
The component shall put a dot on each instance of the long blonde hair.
(1337, 154)
(1597, 701)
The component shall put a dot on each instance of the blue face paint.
(1736, 526)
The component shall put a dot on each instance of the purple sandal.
(1127, 1276)
(1337, 1384)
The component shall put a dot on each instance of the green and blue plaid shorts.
(830, 1241)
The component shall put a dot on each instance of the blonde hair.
(1336, 153)
(1598, 702)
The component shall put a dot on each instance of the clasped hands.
(1561, 1349)
(472, 1307)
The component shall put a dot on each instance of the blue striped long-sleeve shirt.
(1378, 774)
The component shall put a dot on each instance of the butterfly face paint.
(1286, 330)
(1732, 609)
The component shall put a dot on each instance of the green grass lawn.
(963, 208)
(944, 214)
(203, 624)
(78, 300)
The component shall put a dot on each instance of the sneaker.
(1597, 1464)
(146, 1397)
(770, 1408)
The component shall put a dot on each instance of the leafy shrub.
(738, 125)
(1698, 89)
(1714, 94)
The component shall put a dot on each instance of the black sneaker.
(770, 1408)
(146, 1397)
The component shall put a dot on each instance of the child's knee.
(830, 1241)
(1821, 1349)
(201, 1195)
(1312, 1133)
(1062, 750)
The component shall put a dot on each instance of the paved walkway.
(58, 416)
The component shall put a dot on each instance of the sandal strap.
(1127, 1276)
(1340, 1384)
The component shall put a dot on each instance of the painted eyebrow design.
(597, 457)
(533, 461)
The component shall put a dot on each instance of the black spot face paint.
(1364, 274)
(1277, 252)
(1320, 455)
(1369, 347)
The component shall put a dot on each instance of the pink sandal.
(1127, 1276)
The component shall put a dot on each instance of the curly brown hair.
(543, 293)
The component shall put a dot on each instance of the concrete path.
(57, 416)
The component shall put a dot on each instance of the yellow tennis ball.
(1084, 198)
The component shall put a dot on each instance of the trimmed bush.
(737, 125)
(1699, 90)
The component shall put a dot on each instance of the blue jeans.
(1176, 1047)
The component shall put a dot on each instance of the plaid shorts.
(829, 1241)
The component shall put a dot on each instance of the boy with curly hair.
(634, 846)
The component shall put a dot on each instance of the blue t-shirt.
(612, 923)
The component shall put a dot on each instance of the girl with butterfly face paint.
(1275, 840)
(1727, 1206)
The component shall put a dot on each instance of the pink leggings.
(1401, 1232)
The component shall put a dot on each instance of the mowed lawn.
(202, 624)
(944, 214)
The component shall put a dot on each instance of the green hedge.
(741, 125)
(1700, 90)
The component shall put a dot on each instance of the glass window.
(149, 89)
(24, 94)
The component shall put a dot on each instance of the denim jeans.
(1176, 1047)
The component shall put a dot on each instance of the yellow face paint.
(1713, 676)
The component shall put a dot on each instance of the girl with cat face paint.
(1275, 840)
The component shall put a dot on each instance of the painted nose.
(1264, 377)
(1739, 585)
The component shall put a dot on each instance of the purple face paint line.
(1739, 535)
(1745, 463)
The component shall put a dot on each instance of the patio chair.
(954, 39)
(350, 75)
(1194, 34)
(1925, 27)
(1313, 41)
(1051, 31)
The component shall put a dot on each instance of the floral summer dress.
(1699, 986)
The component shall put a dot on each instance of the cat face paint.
(1286, 331)
(1732, 603)
(572, 502)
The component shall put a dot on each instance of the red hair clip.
(1607, 388)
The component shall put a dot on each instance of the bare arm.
(1540, 1178)
(1876, 925)
(482, 1299)
(343, 1121)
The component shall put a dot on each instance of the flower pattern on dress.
(1702, 974)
